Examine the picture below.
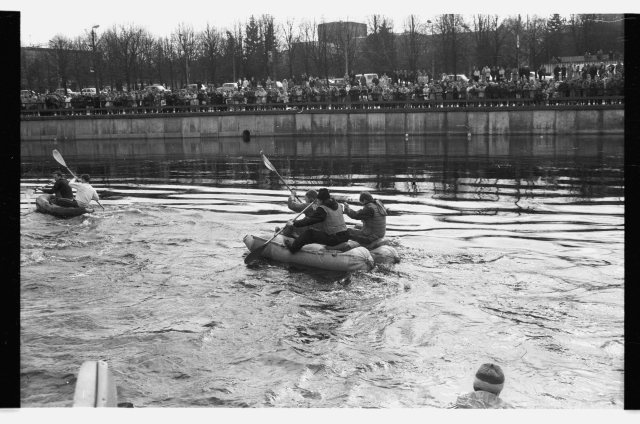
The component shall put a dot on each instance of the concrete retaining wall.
(605, 119)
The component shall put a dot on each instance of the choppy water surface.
(512, 252)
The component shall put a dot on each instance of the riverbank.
(511, 120)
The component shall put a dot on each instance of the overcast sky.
(41, 20)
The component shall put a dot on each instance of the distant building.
(38, 71)
(333, 29)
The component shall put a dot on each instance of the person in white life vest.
(328, 213)
(374, 220)
(85, 193)
(487, 385)
(297, 206)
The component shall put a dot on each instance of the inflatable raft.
(43, 205)
(349, 256)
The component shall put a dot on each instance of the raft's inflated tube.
(385, 255)
(315, 255)
(43, 205)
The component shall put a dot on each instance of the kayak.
(95, 386)
(316, 255)
(43, 205)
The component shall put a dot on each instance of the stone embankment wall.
(550, 120)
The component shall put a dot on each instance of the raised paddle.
(257, 252)
(269, 165)
(58, 157)
(28, 193)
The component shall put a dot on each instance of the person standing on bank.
(328, 213)
(64, 194)
(85, 193)
(374, 220)
(487, 385)
(296, 206)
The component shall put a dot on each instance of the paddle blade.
(58, 157)
(267, 163)
(255, 254)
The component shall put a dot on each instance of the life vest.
(378, 224)
(334, 222)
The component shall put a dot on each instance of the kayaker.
(328, 214)
(85, 193)
(487, 385)
(297, 206)
(374, 220)
(62, 190)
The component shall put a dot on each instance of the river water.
(511, 252)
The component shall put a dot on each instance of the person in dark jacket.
(374, 220)
(328, 213)
(62, 190)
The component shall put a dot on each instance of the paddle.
(269, 165)
(58, 157)
(28, 193)
(256, 253)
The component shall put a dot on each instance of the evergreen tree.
(552, 36)
(253, 49)
(380, 52)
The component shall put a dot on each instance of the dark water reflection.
(450, 168)
(511, 252)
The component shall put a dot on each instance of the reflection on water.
(511, 252)
(451, 168)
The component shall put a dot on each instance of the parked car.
(368, 77)
(337, 82)
(458, 77)
(278, 84)
(156, 88)
(61, 91)
(546, 77)
(227, 86)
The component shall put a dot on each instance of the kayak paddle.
(257, 252)
(269, 165)
(58, 157)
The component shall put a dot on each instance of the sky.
(42, 20)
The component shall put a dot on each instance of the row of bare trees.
(127, 55)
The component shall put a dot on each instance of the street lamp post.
(518, 50)
(186, 60)
(433, 53)
(93, 46)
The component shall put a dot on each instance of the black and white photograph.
(324, 206)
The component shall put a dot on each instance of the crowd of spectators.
(497, 86)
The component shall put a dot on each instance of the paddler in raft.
(374, 220)
(62, 190)
(85, 193)
(296, 206)
(328, 214)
